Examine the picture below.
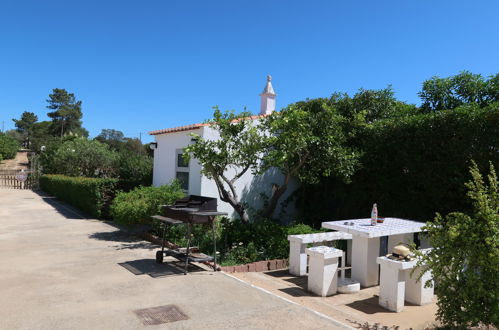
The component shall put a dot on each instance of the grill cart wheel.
(159, 257)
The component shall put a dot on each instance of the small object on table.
(374, 215)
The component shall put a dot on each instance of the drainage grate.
(160, 314)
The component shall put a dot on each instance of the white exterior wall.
(165, 160)
(249, 187)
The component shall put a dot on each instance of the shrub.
(91, 195)
(262, 240)
(239, 242)
(136, 206)
(78, 157)
(465, 257)
(8, 147)
(134, 170)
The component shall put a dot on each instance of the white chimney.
(267, 105)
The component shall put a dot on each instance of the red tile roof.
(192, 127)
(177, 129)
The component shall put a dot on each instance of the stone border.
(257, 266)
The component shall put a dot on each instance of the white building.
(169, 164)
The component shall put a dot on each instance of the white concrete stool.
(397, 285)
(298, 243)
(323, 266)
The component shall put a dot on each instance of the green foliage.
(111, 137)
(465, 88)
(261, 240)
(66, 114)
(138, 205)
(15, 135)
(371, 105)
(412, 166)
(238, 149)
(134, 170)
(42, 135)
(307, 140)
(465, 258)
(79, 157)
(25, 126)
(91, 195)
(8, 146)
(239, 242)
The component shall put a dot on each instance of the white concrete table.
(365, 242)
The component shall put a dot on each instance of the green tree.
(371, 105)
(118, 142)
(66, 115)
(440, 94)
(111, 137)
(8, 146)
(42, 135)
(465, 257)
(228, 158)
(134, 169)
(13, 133)
(25, 126)
(306, 140)
(79, 157)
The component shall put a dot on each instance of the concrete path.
(18, 163)
(59, 270)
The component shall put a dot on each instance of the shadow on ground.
(153, 269)
(127, 240)
(299, 281)
(371, 305)
(62, 208)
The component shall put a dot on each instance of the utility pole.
(140, 137)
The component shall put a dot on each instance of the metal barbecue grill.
(188, 211)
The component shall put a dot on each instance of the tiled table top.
(362, 227)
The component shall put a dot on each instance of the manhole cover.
(160, 314)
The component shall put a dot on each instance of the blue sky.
(145, 65)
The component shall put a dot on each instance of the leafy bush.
(262, 240)
(412, 167)
(239, 242)
(8, 147)
(136, 206)
(91, 195)
(78, 157)
(134, 170)
(465, 257)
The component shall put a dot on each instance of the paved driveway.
(59, 270)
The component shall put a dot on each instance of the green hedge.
(136, 206)
(412, 167)
(91, 195)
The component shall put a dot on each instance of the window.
(181, 161)
(183, 178)
(182, 170)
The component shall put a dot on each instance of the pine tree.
(67, 114)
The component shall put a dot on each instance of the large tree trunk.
(231, 198)
(277, 193)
